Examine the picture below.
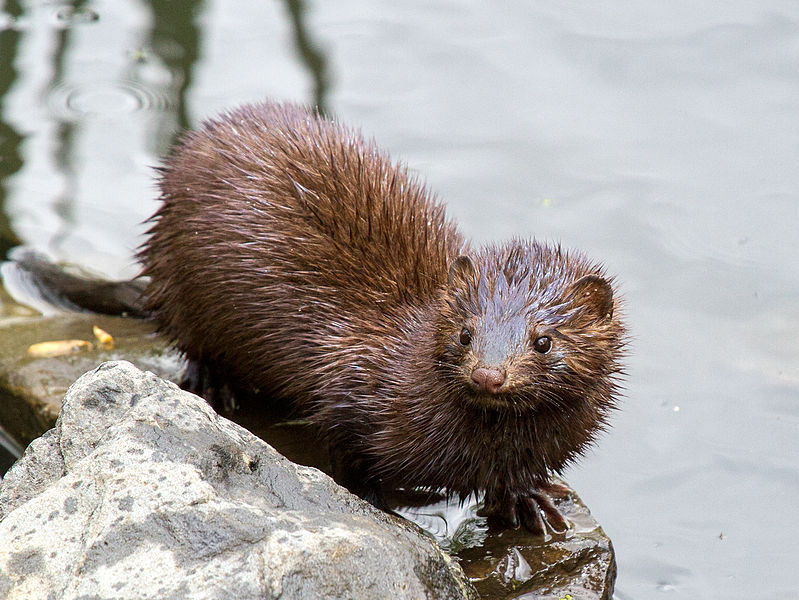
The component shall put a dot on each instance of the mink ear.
(462, 269)
(594, 294)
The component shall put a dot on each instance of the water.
(661, 138)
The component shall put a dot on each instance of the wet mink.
(291, 256)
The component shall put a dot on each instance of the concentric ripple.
(77, 101)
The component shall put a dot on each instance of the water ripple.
(69, 101)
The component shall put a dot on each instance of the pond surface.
(661, 138)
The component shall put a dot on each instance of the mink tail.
(32, 279)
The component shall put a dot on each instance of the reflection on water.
(99, 122)
(310, 53)
(10, 139)
(175, 39)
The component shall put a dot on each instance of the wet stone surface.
(506, 563)
(32, 388)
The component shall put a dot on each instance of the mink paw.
(527, 510)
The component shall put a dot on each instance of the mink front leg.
(525, 509)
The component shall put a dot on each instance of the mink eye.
(543, 344)
(465, 337)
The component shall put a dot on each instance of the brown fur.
(291, 256)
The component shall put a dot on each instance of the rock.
(142, 491)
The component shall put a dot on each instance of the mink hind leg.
(204, 379)
(349, 468)
(356, 473)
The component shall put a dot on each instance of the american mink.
(291, 259)
(291, 256)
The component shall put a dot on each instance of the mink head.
(528, 326)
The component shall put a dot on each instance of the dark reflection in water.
(310, 53)
(175, 39)
(64, 203)
(10, 139)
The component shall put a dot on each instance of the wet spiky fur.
(291, 256)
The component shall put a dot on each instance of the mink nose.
(488, 379)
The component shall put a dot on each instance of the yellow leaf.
(103, 336)
(58, 348)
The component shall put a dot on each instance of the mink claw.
(531, 515)
(541, 501)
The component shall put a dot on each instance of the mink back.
(282, 244)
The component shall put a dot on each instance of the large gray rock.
(142, 491)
